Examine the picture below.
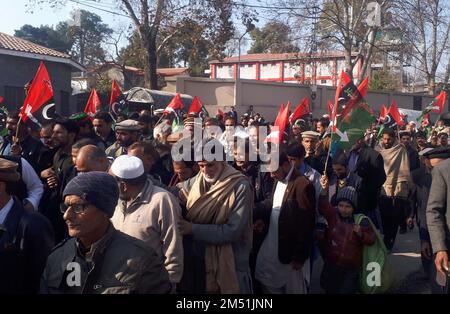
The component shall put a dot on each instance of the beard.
(211, 180)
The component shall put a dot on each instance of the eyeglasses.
(77, 208)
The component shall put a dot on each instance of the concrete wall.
(266, 97)
(17, 71)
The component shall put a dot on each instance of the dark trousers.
(393, 212)
(338, 280)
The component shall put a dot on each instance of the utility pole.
(249, 27)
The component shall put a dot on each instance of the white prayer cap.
(127, 167)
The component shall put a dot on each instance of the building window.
(14, 97)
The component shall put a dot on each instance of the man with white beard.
(219, 203)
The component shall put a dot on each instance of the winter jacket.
(116, 264)
(340, 244)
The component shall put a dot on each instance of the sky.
(18, 14)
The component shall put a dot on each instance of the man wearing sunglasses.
(98, 258)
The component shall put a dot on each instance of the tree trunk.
(153, 63)
(431, 84)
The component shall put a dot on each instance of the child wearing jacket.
(342, 242)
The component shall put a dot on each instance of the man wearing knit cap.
(149, 213)
(123, 264)
(343, 242)
(26, 239)
(127, 132)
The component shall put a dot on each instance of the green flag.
(353, 126)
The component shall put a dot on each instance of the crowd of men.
(101, 205)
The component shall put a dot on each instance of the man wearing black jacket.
(369, 165)
(25, 146)
(25, 239)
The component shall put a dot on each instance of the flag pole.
(17, 131)
(331, 139)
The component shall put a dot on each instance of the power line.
(361, 38)
(100, 9)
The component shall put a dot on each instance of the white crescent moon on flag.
(387, 120)
(44, 111)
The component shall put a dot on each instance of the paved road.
(405, 258)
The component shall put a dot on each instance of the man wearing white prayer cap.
(148, 212)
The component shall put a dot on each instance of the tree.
(384, 80)
(341, 24)
(88, 33)
(427, 31)
(82, 36)
(274, 37)
(46, 36)
(150, 18)
(157, 22)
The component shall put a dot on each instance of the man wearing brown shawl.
(394, 204)
(219, 204)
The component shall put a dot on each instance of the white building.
(322, 68)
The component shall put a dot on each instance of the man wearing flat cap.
(127, 132)
(98, 258)
(26, 239)
(438, 215)
(315, 154)
(149, 213)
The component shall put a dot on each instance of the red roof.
(18, 44)
(279, 56)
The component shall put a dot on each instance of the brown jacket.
(340, 244)
(297, 219)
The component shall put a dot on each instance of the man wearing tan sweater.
(149, 213)
(394, 204)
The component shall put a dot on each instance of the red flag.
(116, 93)
(282, 120)
(383, 112)
(300, 111)
(426, 120)
(40, 93)
(1, 99)
(196, 106)
(395, 114)
(357, 96)
(220, 114)
(279, 114)
(439, 103)
(92, 104)
(175, 104)
(344, 80)
(330, 109)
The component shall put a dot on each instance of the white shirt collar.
(5, 210)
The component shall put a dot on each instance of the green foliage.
(46, 36)
(81, 36)
(274, 37)
(384, 80)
